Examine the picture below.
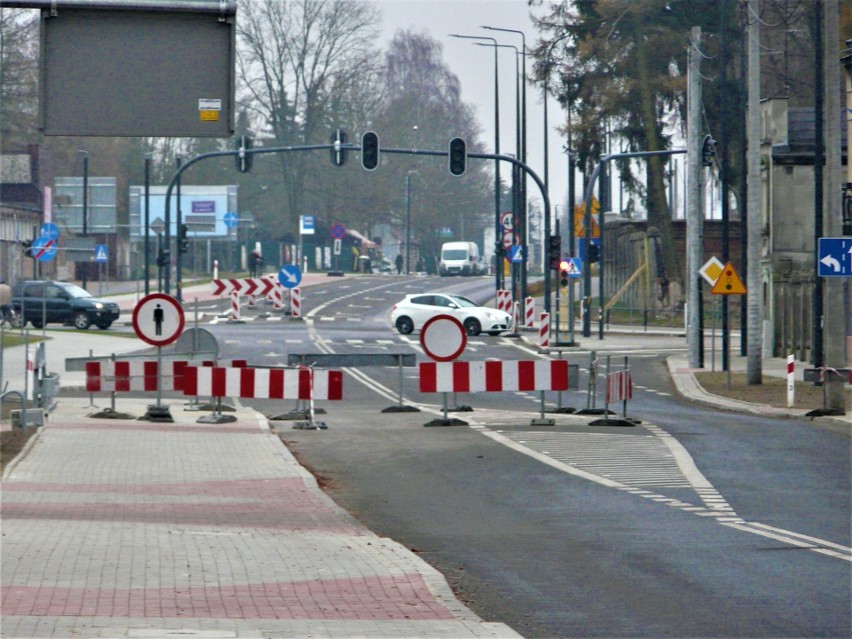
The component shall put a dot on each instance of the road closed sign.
(443, 338)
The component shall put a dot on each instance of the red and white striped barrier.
(529, 312)
(493, 376)
(544, 331)
(235, 306)
(295, 302)
(619, 387)
(125, 376)
(263, 383)
(504, 301)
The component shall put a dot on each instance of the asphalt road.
(695, 523)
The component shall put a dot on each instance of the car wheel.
(494, 333)
(16, 321)
(404, 325)
(104, 325)
(37, 323)
(82, 321)
(472, 326)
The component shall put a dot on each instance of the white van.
(460, 258)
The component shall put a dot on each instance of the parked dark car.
(51, 302)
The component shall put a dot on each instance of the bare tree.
(18, 75)
(295, 60)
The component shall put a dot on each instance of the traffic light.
(563, 273)
(458, 156)
(594, 253)
(708, 150)
(28, 248)
(554, 251)
(244, 159)
(370, 150)
(338, 154)
(183, 238)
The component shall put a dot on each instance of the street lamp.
(158, 226)
(497, 226)
(408, 221)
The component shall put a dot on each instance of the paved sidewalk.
(123, 528)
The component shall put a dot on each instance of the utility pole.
(694, 212)
(754, 360)
(836, 288)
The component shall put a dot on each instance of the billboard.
(203, 209)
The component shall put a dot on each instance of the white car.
(415, 310)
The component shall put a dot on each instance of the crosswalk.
(632, 460)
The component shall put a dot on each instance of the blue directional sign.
(289, 276)
(43, 249)
(101, 253)
(231, 219)
(49, 230)
(835, 257)
(517, 254)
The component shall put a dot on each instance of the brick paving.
(125, 528)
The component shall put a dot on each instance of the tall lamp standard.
(147, 221)
(498, 253)
(519, 274)
(408, 221)
(523, 146)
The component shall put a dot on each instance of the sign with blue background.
(835, 257)
(290, 276)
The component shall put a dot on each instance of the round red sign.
(443, 338)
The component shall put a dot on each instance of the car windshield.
(462, 301)
(75, 291)
(454, 254)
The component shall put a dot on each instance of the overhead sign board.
(105, 72)
(835, 257)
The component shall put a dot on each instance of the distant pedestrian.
(399, 264)
(255, 261)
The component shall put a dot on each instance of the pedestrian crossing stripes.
(633, 460)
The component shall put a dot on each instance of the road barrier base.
(542, 421)
(594, 411)
(109, 413)
(296, 414)
(612, 421)
(564, 410)
(158, 414)
(450, 421)
(216, 418)
(401, 409)
(310, 426)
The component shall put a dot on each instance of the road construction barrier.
(296, 303)
(619, 387)
(263, 383)
(127, 376)
(493, 376)
(544, 331)
(504, 301)
(235, 306)
(529, 312)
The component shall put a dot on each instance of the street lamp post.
(523, 147)
(497, 226)
(147, 220)
(408, 222)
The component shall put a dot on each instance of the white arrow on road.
(832, 263)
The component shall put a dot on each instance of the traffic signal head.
(338, 154)
(28, 248)
(244, 159)
(563, 273)
(458, 156)
(370, 150)
(708, 150)
(554, 251)
(594, 253)
(183, 238)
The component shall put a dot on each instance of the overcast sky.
(474, 66)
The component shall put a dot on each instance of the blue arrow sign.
(835, 257)
(231, 219)
(290, 276)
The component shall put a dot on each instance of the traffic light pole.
(244, 152)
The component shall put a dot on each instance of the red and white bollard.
(504, 301)
(215, 269)
(529, 312)
(791, 381)
(235, 306)
(516, 317)
(295, 303)
(544, 331)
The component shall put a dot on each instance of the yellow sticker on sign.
(729, 283)
(208, 116)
